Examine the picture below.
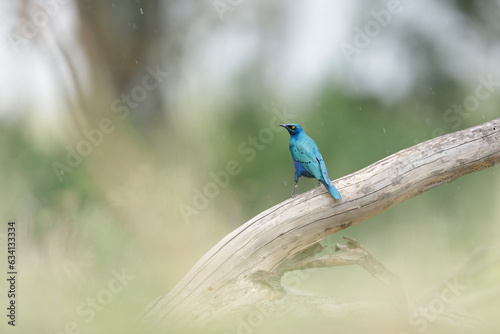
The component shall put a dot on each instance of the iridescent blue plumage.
(307, 159)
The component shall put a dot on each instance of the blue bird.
(307, 160)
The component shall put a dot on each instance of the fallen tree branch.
(223, 282)
(351, 254)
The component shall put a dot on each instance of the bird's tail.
(331, 188)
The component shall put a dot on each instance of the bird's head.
(293, 129)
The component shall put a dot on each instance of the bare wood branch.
(221, 281)
(351, 254)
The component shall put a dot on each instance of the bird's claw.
(293, 191)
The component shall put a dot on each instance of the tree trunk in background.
(118, 37)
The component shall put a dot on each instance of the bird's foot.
(293, 191)
(319, 183)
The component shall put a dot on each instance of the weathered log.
(224, 280)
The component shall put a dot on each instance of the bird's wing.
(304, 153)
(322, 165)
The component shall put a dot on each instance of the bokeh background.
(115, 115)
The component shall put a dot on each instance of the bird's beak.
(284, 125)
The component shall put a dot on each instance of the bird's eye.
(292, 127)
